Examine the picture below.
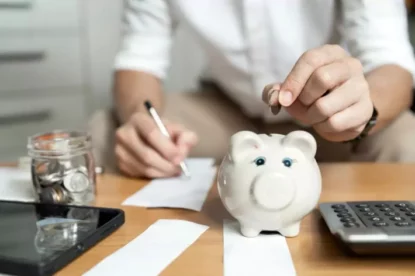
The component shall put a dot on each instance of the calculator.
(372, 227)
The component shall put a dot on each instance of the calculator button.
(341, 210)
(403, 223)
(347, 220)
(344, 215)
(397, 219)
(382, 205)
(386, 209)
(391, 214)
(380, 224)
(365, 210)
(410, 214)
(370, 214)
(363, 205)
(401, 205)
(407, 209)
(375, 219)
(351, 224)
(338, 206)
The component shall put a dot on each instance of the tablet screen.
(38, 233)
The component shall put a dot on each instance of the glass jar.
(63, 167)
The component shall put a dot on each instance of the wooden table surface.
(314, 251)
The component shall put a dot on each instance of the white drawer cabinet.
(38, 62)
(39, 14)
(21, 117)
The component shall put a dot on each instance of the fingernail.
(285, 97)
(273, 97)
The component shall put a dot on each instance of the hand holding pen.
(142, 150)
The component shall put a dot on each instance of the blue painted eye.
(260, 161)
(287, 162)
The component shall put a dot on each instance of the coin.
(50, 180)
(49, 172)
(54, 195)
(76, 182)
(275, 109)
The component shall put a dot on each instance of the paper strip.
(262, 255)
(177, 192)
(151, 252)
(16, 184)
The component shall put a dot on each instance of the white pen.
(164, 131)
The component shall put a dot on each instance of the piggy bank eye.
(287, 162)
(260, 161)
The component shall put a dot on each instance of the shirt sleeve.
(376, 32)
(147, 37)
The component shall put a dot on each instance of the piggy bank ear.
(243, 143)
(301, 140)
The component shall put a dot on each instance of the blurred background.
(56, 65)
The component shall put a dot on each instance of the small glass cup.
(63, 167)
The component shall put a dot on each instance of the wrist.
(366, 130)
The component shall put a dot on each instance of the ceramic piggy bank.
(270, 182)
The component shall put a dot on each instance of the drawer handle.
(33, 116)
(23, 56)
(14, 5)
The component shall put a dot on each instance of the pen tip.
(147, 104)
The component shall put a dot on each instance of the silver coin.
(54, 195)
(70, 171)
(51, 179)
(83, 169)
(49, 172)
(76, 182)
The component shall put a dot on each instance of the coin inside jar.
(76, 182)
(54, 194)
(49, 172)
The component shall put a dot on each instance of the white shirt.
(251, 43)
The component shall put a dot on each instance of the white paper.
(196, 165)
(16, 184)
(179, 192)
(262, 255)
(151, 252)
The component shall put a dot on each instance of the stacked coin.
(58, 181)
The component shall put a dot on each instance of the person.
(342, 70)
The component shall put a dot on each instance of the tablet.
(39, 239)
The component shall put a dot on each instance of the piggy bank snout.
(272, 191)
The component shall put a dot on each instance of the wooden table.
(314, 251)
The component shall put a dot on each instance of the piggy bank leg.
(291, 230)
(249, 232)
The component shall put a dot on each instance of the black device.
(39, 239)
(372, 227)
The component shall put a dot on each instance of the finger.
(336, 101)
(303, 69)
(326, 78)
(349, 119)
(151, 134)
(134, 168)
(181, 135)
(126, 163)
(144, 153)
(344, 135)
(299, 112)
